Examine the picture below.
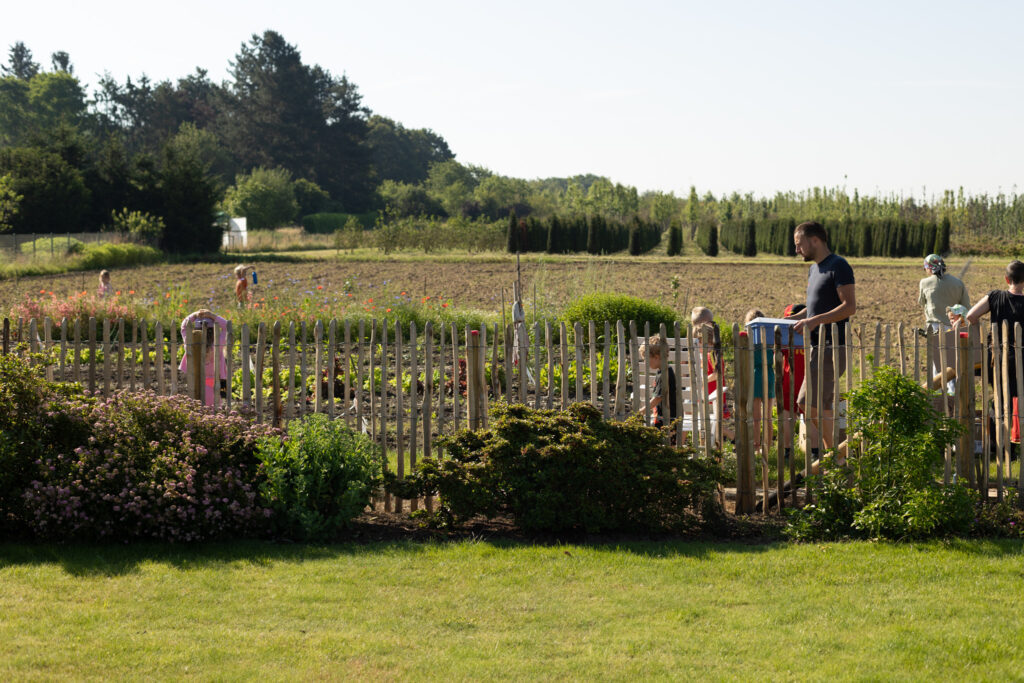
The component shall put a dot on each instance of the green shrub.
(61, 245)
(320, 478)
(613, 307)
(30, 427)
(326, 223)
(895, 492)
(108, 255)
(570, 471)
(266, 197)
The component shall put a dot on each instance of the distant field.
(886, 289)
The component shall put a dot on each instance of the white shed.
(236, 234)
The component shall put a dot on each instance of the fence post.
(474, 382)
(275, 369)
(744, 459)
(196, 343)
(7, 336)
(965, 396)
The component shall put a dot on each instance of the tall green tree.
(300, 118)
(403, 154)
(20, 64)
(189, 195)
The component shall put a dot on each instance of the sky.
(899, 97)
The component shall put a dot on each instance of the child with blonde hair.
(105, 288)
(242, 285)
(703, 320)
(650, 352)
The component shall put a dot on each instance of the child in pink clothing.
(213, 326)
(105, 289)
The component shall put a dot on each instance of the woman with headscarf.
(940, 293)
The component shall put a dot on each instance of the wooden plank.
(229, 370)
(550, 403)
(346, 367)
(965, 402)
(509, 341)
(76, 350)
(917, 359)
(92, 351)
(158, 357)
(564, 364)
(414, 371)
(1002, 371)
(877, 357)
(606, 380)
(399, 408)
(245, 353)
(394, 505)
(888, 343)
(332, 364)
(456, 381)
(765, 420)
(197, 369)
(620, 375)
(372, 390)
(144, 355)
(106, 356)
(132, 358)
(120, 350)
(318, 365)
(441, 384)
(63, 348)
(48, 347)
(291, 408)
(303, 349)
(361, 335)
(33, 338)
(592, 338)
(172, 334)
(261, 348)
(428, 400)
(7, 336)
(646, 398)
(986, 434)
(536, 365)
(577, 333)
(808, 459)
(634, 367)
(275, 373)
(836, 354)
(903, 358)
(496, 388)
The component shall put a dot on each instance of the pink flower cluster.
(79, 305)
(152, 467)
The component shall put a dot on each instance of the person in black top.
(651, 352)
(830, 299)
(1005, 305)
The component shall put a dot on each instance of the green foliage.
(612, 307)
(571, 471)
(29, 429)
(188, 196)
(54, 197)
(895, 492)
(325, 223)
(9, 201)
(320, 478)
(138, 225)
(61, 246)
(266, 197)
(707, 235)
(675, 238)
(108, 255)
(406, 199)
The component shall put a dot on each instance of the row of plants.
(593, 234)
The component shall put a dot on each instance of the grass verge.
(472, 610)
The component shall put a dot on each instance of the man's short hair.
(812, 229)
(1015, 271)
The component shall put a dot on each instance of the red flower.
(319, 286)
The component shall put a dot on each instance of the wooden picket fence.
(405, 387)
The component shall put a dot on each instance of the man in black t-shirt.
(1005, 305)
(830, 299)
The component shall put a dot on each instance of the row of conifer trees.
(574, 234)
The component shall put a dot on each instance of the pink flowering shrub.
(79, 305)
(152, 467)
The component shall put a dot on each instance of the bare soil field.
(886, 290)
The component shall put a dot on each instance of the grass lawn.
(478, 610)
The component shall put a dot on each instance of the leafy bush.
(138, 224)
(108, 255)
(612, 307)
(266, 197)
(320, 478)
(326, 223)
(30, 427)
(567, 471)
(60, 245)
(152, 467)
(896, 491)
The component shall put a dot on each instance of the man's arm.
(979, 309)
(846, 308)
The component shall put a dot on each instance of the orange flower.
(388, 311)
(369, 301)
(167, 295)
(131, 291)
(444, 305)
(319, 286)
(42, 291)
(185, 301)
(275, 298)
(402, 294)
(118, 292)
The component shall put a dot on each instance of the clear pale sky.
(906, 97)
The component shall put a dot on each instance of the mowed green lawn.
(478, 610)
